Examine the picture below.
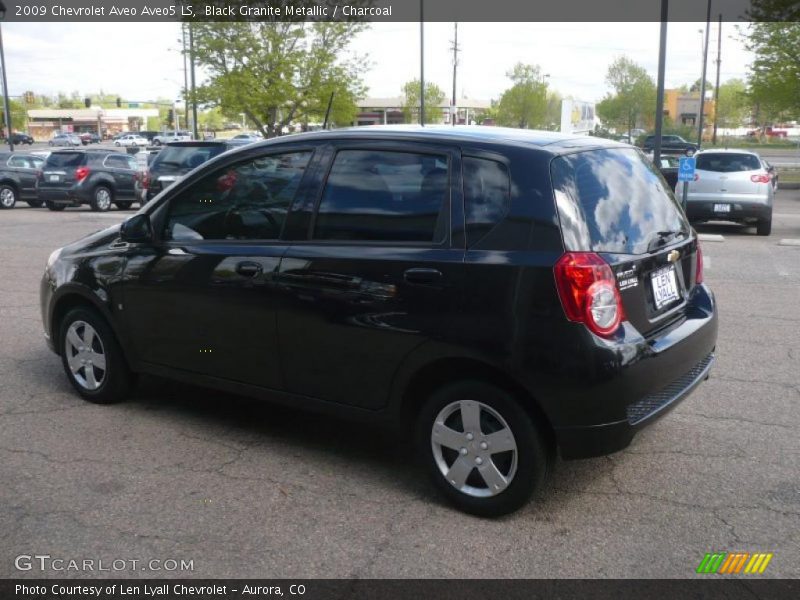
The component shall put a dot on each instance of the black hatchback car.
(98, 178)
(500, 294)
(18, 178)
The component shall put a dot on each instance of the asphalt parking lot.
(244, 489)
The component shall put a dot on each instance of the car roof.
(196, 143)
(727, 151)
(549, 141)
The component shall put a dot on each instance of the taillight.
(760, 178)
(81, 173)
(588, 292)
(698, 271)
(145, 180)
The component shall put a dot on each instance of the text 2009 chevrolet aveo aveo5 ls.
(503, 294)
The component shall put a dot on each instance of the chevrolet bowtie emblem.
(673, 256)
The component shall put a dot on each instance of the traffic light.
(170, 116)
(87, 102)
(119, 102)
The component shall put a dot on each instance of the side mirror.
(137, 229)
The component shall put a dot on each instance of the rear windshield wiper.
(661, 238)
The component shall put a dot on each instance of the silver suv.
(730, 185)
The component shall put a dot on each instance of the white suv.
(171, 136)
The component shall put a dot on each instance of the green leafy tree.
(774, 81)
(19, 116)
(524, 104)
(633, 101)
(278, 73)
(732, 104)
(434, 96)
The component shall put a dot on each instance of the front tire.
(55, 207)
(8, 196)
(34, 203)
(124, 205)
(92, 358)
(102, 198)
(482, 449)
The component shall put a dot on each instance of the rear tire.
(35, 203)
(102, 198)
(55, 207)
(764, 227)
(96, 370)
(8, 196)
(457, 430)
(124, 205)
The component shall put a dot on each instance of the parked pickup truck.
(171, 136)
(767, 131)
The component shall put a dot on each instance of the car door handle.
(248, 268)
(422, 276)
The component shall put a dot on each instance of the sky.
(143, 62)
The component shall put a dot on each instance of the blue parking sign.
(686, 167)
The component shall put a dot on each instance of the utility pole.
(421, 63)
(191, 74)
(662, 61)
(454, 114)
(6, 107)
(716, 90)
(185, 78)
(703, 79)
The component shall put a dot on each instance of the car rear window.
(186, 157)
(613, 201)
(727, 162)
(487, 196)
(65, 159)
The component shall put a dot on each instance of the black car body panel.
(670, 144)
(19, 170)
(356, 326)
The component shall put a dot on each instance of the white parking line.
(710, 237)
(789, 242)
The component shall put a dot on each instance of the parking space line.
(789, 242)
(710, 237)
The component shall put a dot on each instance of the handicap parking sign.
(686, 167)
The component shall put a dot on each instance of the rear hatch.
(726, 174)
(58, 171)
(176, 160)
(616, 204)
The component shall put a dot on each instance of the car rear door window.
(114, 161)
(727, 162)
(487, 196)
(19, 162)
(384, 196)
(248, 200)
(64, 160)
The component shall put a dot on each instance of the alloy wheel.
(86, 355)
(102, 198)
(474, 448)
(7, 197)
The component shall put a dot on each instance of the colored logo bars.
(723, 563)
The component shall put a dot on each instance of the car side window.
(375, 195)
(487, 196)
(248, 200)
(19, 161)
(130, 163)
(115, 162)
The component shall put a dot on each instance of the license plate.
(665, 286)
(722, 208)
(53, 178)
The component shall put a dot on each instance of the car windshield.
(614, 201)
(64, 159)
(727, 162)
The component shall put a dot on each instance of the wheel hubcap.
(7, 197)
(85, 355)
(474, 448)
(103, 199)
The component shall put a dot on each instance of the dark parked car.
(21, 138)
(496, 294)
(18, 178)
(773, 173)
(673, 144)
(98, 178)
(176, 159)
(669, 169)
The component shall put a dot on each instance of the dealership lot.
(245, 489)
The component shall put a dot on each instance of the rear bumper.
(740, 211)
(610, 389)
(68, 196)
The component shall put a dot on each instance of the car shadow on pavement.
(720, 228)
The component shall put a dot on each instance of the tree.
(633, 101)
(19, 115)
(524, 104)
(278, 73)
(434, 96)
(732, 104)
(774, 81)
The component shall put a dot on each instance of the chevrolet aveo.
(502, 294)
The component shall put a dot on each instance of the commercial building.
(683, 108)
(389, 111)
(43, 123)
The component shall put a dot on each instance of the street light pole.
(421, 64)
(703, 80)
(191, 74)
(6, 105)
(662, 61)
